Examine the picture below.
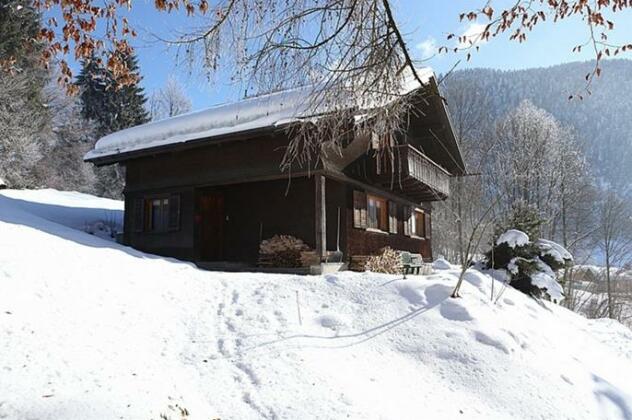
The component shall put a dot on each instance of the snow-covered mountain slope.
(93, 330)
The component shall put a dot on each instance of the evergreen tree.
(531, 267)
(111, 108)
(523, 217)
(19, 25)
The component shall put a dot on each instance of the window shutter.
(173, 222)
(406, 218)
(138, 211)
(359, 210)
(428, 225)
(421, 223)
(392, 217)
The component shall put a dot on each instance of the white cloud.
(472, 35)
(428, 47)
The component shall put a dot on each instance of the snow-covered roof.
(266, 111)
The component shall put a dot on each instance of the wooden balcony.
(408, 172)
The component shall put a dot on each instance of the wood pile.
(387, 261)
(358, 262)
(285, 251)
(309, 258)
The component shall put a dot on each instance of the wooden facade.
(216, 199)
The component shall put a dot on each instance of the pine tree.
(523, 217)
(19, 25)
(111, 108)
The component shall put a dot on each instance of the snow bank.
(94, 330)
(513, 238)
(99, 216)
(275, 109)
(441, 264)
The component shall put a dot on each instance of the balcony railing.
(425, 170)
(414, 174)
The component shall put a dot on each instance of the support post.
(321, 217)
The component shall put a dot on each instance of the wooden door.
(211, 225)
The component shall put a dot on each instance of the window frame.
(381, 213)
(166, 204)
(420, 223)
(393, 217)
(417, 223)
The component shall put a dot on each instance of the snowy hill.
(93, 330)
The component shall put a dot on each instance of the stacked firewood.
(358, 262)
(386, 261)
(284, 251)
(309, 258)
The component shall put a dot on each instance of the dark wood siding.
(226, 163)
(260, 210)
(252, 210)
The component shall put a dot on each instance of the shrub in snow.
(387, 261)
(530, 266)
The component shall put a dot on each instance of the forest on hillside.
(602, 119)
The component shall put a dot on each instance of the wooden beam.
(227, 181)
(321, 217)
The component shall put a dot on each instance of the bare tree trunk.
(608, 286)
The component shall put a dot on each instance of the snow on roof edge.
(269, 110)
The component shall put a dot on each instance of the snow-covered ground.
(90, 329)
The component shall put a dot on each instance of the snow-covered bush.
(387, 261)
(531, 266)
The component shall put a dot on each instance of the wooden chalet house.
(206, 186)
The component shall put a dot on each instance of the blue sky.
(426, 24)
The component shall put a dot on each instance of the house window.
(162, 213)
(377, 213)
(418, 221)
(374, 212)
(359, 210)
(392, 217)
